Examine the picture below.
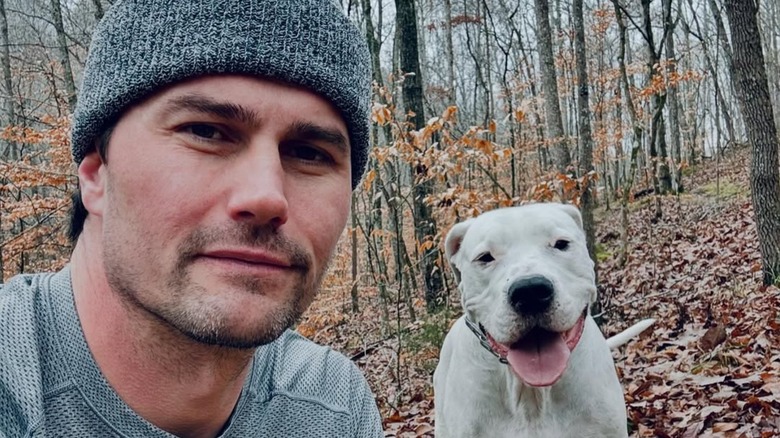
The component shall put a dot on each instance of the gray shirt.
(50, 386)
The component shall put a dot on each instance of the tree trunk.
(753, 95)
(482, 70)
(449, 53)
(542, 152)
(586, 139)
(8, 152)
(62, 48)
(719, 98)
(722, 38)
(8, 90)
(553, 120)
(395, 214)
(377, 241)
(506, 73)
(662, 178)
(490, 112)
(674, 105)
(425, 227)
(406, 27)
(638, 133)
(353, 235)
(373, 42)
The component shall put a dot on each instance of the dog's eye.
(561, 245)
(485, 257)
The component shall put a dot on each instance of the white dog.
(527, 359)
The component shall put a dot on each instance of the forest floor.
(710, 366)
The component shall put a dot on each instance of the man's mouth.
(251, 257)
(540, 357)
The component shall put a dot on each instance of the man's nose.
(258, 194)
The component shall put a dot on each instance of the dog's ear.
(452, 244)
(574, 212)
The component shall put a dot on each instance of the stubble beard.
(189, 307)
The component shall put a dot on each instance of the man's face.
(223, 200)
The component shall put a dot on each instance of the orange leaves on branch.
(425, 245)
(666, 76)
(34, 195)
(381, 114)
(604, 18)
(450, 113)
(33, 206)
(465, 19)
(19, 134)
(675, 78)
(563, 188)
(49, 165)
(657, 85)
(369, 179)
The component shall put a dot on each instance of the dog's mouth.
(540, 357)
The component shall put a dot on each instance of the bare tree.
(425, 226)
(662, 179)
(450, 54)
(670, 22)
(8, 150)
(711, 67)
(8, 90)
(553, 120)
(753, 95)
(585, 137)
(64, 56)
(638, 133)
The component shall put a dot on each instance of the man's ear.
(452, 244)
(92, 182)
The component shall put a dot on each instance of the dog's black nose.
(531, 295)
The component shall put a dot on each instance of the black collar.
(479, 331)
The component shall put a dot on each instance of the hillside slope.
(709, 367)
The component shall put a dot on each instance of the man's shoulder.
(297, 378)
(21, 383)
(20, 300)
(297, 355)
(304, 368)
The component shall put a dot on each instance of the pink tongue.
(540, 358)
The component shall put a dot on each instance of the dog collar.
(479, 331)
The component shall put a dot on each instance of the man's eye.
(308, 153)
(204, 131)
(485, 257)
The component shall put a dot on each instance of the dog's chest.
(548, 428)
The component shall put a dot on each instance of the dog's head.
(525, 276)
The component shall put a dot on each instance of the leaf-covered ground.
(710, 366)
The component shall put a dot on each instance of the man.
(217, 142)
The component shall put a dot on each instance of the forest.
(657, 118)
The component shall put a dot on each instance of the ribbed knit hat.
(141, 46)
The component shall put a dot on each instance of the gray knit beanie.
(141, 46)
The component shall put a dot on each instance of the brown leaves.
(34, 197)
(711, 367)
(713, 337)
(562, 188)
(413, 421)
